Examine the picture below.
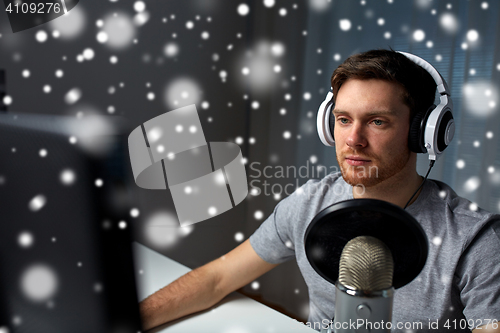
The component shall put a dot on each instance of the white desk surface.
(234, 314)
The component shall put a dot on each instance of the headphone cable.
(431, 164)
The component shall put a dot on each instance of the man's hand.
(487, 329)
(204, 286)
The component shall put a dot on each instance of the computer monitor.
(65, 231)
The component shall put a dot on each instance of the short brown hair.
(388, 65)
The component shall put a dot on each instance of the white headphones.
(430, 131)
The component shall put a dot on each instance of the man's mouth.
(357, 160)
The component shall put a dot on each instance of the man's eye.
(343, 120)
(378, 122)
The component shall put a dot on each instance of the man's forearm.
(193, 292)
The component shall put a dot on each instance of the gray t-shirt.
(461, 278)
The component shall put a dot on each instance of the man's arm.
(487, 329)
(204, 286)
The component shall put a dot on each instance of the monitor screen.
(65, 240)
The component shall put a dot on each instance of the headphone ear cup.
(331, 120)
(417, 129)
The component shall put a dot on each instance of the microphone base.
(357, 311)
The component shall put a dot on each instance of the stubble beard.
(375, 173)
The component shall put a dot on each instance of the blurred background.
(257, 72)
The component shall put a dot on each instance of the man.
(377, 93)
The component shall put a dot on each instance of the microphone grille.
(366, 264)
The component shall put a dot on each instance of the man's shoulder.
(460, 206)
(457, 214)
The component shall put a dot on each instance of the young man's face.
(371, 131)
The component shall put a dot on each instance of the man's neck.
(396, 190)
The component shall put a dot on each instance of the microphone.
(367, 248)
(364, 292)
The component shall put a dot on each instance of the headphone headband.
(442, 86)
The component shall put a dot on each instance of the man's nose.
(356, 138)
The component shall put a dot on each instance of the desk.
(234, 314)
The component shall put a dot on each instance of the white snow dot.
(269, 3)
(277, 68)
(282, 112)
(437, 241)
(313, 159)
(88, 54)
(239, 140)
(139, 6)
(98, 287)
(42, 152)
(476, 143)
(255, 191)
(37, 203)
(212, 211)
(484, 5)
(193, 129)
(73, 96)
(307, 96)
(73, 140)
(205, 105)
(336, 56)
(134, 212)
(287, 135)
(251, 140)
(442, 194)
(473, 206)
(283, 11)
(39, 282)
(255, 285)
(258, 215)
(160, 148)
(243, 9)
(429, 44)
(179, 128)
(245, 71)
(205, 35)
(239, 237)
(439, 57)
(25, 239)
(380, 21)
(472, 35)
(67, 176)
(345, 24)
(102, 37)
(98, 182)
(47, 89)
(26, 73)
(150, 96)
(491, 169)
(122, 224)
(41, 36)
(255, 105)
(418, 35)
(472, 184)
(278, 49)
(7, 100)
(59, 73)
(189, 25)
(387, 35)
(489, 135)
(188, 190)
(460, 164)
(288, 97)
